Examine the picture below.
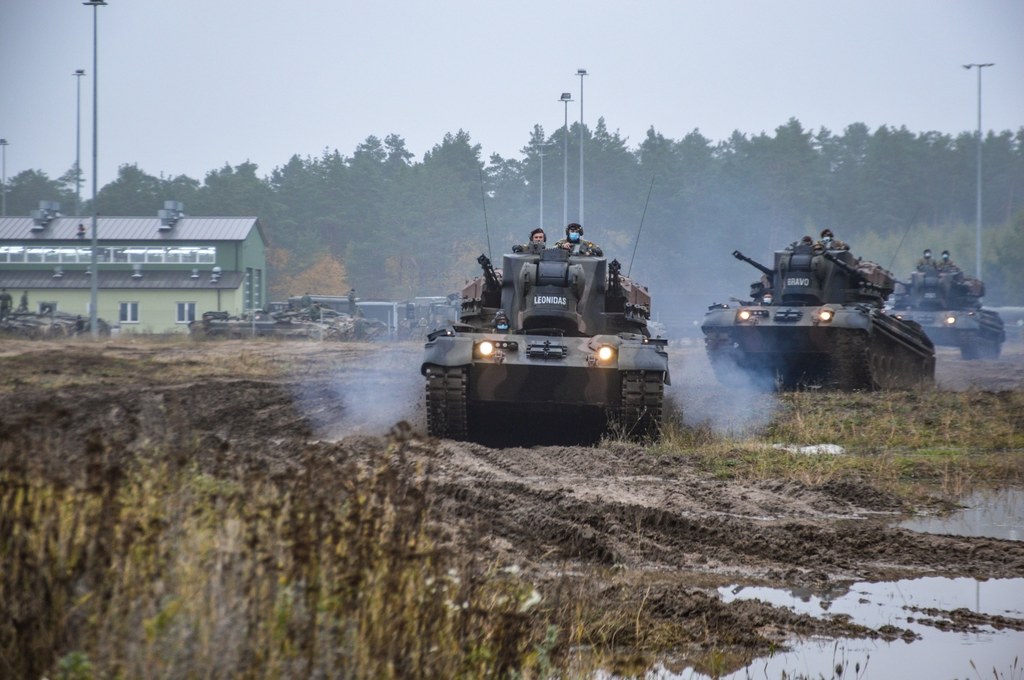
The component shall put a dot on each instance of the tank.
(817, 319)
(553, 342)
(947, 305)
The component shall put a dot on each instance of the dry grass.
(156, 572)
(900, 441)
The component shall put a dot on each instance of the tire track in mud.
(537, 500)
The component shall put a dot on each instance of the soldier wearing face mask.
(926, 259)
(575, 243)
(947, 264)
(829, 242)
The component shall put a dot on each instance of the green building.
(155, 274)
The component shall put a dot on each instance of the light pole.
(977, 241)
(540, 152)
(581, 72)
(566, 98)
(3, 175)
(94, 286)
(78, 139)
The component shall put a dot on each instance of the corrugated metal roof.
(78, 279)
(134, 229)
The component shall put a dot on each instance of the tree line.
(670, 210)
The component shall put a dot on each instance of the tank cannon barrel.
(614, 277)
(764, 270)
(858, 277)
(852, 271)
(490, 276)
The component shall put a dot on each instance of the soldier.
(501, 321)
(574, 242)
(947, 264)
(804, 241)
(23, 305)
(537, 236)
(829, 242)
(926, 259)
(352, 302)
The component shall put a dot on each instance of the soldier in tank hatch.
(575, 243)
(830, 242)
(945, 263)
(926, 259)
(538, 239)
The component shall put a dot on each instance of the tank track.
(860, 362)
(987, 341)
(446, 402)
(643, 394)
(851, 362)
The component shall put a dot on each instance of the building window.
(132, 254)
(129, 312)
(186, 312)
(257, 289)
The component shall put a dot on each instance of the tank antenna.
(483, 202)
(906, 231)
(637, 242)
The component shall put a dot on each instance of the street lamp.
(540, 152)
(977, 242)
(566, 98)
(78, 139)
(94, 286)
(3, 175)
(581, 72)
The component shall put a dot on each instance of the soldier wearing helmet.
(575, 243)
(829, 242)
(501, 324)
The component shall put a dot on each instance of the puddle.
(994, 513)
(938, 654)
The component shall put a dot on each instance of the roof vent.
(171, 213)
(47, 211)
(58, 272)
(136, 271)
(195, 274)
(215, 275)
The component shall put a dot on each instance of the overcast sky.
(186, 86)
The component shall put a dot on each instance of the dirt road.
(627, 526)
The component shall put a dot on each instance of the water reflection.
(997, 513)
(937, 654)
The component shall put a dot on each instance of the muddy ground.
(638, 530)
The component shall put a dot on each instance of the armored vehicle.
(947, 304)
(555, 340)
(816, 319)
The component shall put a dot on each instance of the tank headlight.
(605, 353)
(826, 315)
(486, 348)
(950, 320)
(744, 315)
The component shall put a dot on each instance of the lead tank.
(554, 340)
(947, 304)
(817, 319)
